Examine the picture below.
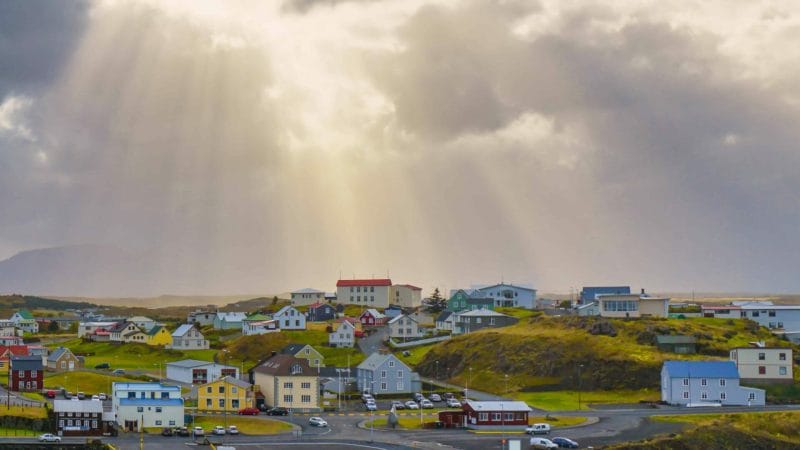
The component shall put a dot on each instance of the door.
(71, 365)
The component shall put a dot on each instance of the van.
(538, 428)
(542, 443)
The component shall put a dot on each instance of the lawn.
(416, 354)
(568, 400)
(7, 432)
(133, 356)
(246, 425)
(27, 411)
(407, 423)
(33, 396)
(88, 382)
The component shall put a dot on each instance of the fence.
(410, 344)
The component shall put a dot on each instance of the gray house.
(696, 383)
(320, 312)
(383, 373)
(469, 321)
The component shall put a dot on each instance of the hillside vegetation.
(544, 352)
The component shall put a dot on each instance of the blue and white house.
(383, 373)
(508, 295)
(706, 383)
(138, 405)
(289, 318)
(591, 294)
(229, 320)
(780, 319)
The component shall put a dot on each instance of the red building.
(488, 415)
(7, 351)
(372, 318)
(25, 373)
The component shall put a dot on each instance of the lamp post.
(226, 355)
(371, 419)
(580, 366)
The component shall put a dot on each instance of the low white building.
(289, 318)
(152, 405)
(307, 296)
(404, 327)
(406, 295)
(87, 328)
(192, 371)
(187, 337)
(343, 336)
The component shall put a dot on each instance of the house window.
(383, 374)
(172, 423)
(234, 390)
(723, 396)
(483, 417)
(496, 417)
(400, 386)
(61, 423)
(685, 394)
(762, 370)
(221, 403)
(384, 386)
(209, 389)
(316, 362)
(235, 403)
(685, 381)
(399, 374)
(782, 370)
(222, 389)
(306, 385)
(158, 409)
(703, 382)
(722, 382)
(158, 423)
(287, 399)
(762, 356)
(704, 395)
(63, 364)
(391, 363)
(69, 423)
(140, 409)
(752, 396)
(509, 416)
(305, 399)
(755, 313)
(772, 313)
(782, 356)
(208, 403)
(288, 385)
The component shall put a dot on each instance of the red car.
(248, 412)
(51, 394)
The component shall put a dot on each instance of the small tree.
(274, 300)
(52, 327)
(435, 303)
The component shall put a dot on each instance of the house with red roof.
(7, 351)
(372, 318)
(372, 293)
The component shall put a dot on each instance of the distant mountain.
(77, 270)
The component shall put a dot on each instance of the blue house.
(385, 374)
(462, 300)
(589, 294)
(698, 383)
(229, 320)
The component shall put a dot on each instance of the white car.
(317, 422)
(538, 428)
(233, 430)
(371, 406)
(47, 437)
(95, 397)
(103, 396)
(436, 398)
(219, 429)
(412, 405)
(425, 403)
(453, 403)
(537, 442)
(198, 431)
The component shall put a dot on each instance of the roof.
(232, 380)
(371, 282)
(282, 364)
(374, 313)
(308, 291)
(233, 316)
(352, 320)
(151, 402)
(118, 326)
(26, 363)
(397, 318)
(140, 319)
(498, 405)
(84, 406)
(342, 324)
(376, 360)
(591, 292)
(410, 286)
(25, 314)
(183, 329)
(319, 305)
(154, 331)
(257, 317)
(14, 350)
(58, 353)
(717, 307)
(143, 386)
(283, 310)
(675, 339)
(701, 369)
(293, 349)
(482, 313)
(190, 363)
(522, 288)
(752, 306)
(443, 316)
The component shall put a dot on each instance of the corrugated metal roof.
(701, 369)
(151, 402)
(372, 282)
(499, 406)
(80, 406)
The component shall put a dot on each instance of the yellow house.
(288, 382)
(159, 335)
(226, 394)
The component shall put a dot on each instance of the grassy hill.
(543, 353)
(9, 304)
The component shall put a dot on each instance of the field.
(26, 411)
(248, 350)
(246, 425)
(83, 381)
(568, 400)
(408, 423)
(132, 356)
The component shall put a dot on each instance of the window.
(755, 313)
(222, 389)
(287, 399)
(400, 386)
(772, 313)
(391, 363)
(762, 370)
(723, 396)
(158, 409)
(399, 374)
(221, 403)
(685, 381)
(158, 423)
(208, 403)
(63, 364)
(703, 382)
(685, 394)
(234, 390)
(33, 374)
(782, 370)
(483, 417)
(704, 395)
(372, 288)
(782, 356)
(172, 423)
(762, 356)
(288, 385)
(316, 362)
(69, 423)
(752, 396)
(140, 409)
(509, 416)
(384, 386)
(235, 403)
(722, 382)
(477, 320)
(496, 417)
(305, 399)
(306, 385)
(209, 389)
(61, 423)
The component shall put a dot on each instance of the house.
(406, 295)
(404, 327)
(461, 300)
(259, 324)
(87, 328)
(721, 312)
(99, 335)
(424, 320)
(25, 373)
(343, 336)
(307, 296)
(187, 337)
(289, 318)
(393, 311)
(144, 323)
(158, 335)
(192, 371)
(695, 383)
(229, 320)
(7, 351)
(590, 294)
(469, 321)
(383, 373)
(82, 418)
(320, 312)
(760, 364)
(288, 382)
(305, 351)
(63, 359)
(149, 405)
(488, 415)
(444, 321)
(677, 344)
(374, 293)
(633, 305)
(202, 317)
(588, 309)
(225, 394)
(23, 319)
(6, 341)
(120, 329)
(372, 318)
(138, 336)
(781, 319)
(509, 295)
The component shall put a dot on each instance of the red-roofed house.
(406, 295)
(7, 351)
(372, 318)
(373, 293)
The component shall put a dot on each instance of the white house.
(152, 405)
(588, 309)
(307, 296)
(187, 337)
(372, 293)
(698, 383)
(781, 319)
(343, 335)
(192, 371)
(764, 364)
(445, 321)
(120, 329)
(406, 295)
(201, 316)
(86, 329)
(24, 320)
(290, 318)
(259, 324)
(404, 327)
(509, 295)
(633, 305)
(144, 323)
(229, 320)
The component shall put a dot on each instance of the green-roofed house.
(23, 319)
(158, 335)
(677, 344)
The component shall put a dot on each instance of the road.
(374, 341)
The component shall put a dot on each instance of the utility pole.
(580, 366)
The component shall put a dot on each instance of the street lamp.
(371, 419)
(580, 366)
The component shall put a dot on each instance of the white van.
(538, 428)
(542, 443)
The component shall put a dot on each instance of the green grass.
(248, 350)
(19, 411)
(568, 400)
(87, 382)
(8, 432)
(246, 425)
(416, 354)
(403, 423)
(33, 396)
(133, 356)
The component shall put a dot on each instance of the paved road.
(374, 342)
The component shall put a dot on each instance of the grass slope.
(131, 355)
(246, 425)
(251, 349)
(83, 381)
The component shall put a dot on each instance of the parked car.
(317, 422)
(565, 442)
(102, 366)
(47, 437)
(426, 404)
(51, 393)
(397, 404)
(436, 398)
(248, 412)
(448, 395)
(167, 432)
(371, 406)
(198, 431)
(453, 403)
(537, 442)
(417, 396)
(96, 397)
(183, 431)
(118, 371)
(538, 428)
(233, 430)
(219, 429)
(277, 411)
(412, 405)
(102, 396)
(367, 397)
(67, 395)
(81, 396)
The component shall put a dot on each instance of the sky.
(251, 146)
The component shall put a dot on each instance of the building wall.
(170, 416)
(192, 340)
(163, 337)
(26, 380)
(788, 319)
(342, 336)
(655, 307)
(233, 398)
(369, 296)
(291, 319)
(276, 390)
(310, 354)
(392, 377)
(213, 372)
(675, 392)
(751, 366)
(406, 296)
(303, 299)
(67, 361)
(508, 295)
(404, 328)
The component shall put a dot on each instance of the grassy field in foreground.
(246, 425)
(133, 356)
(568, 400)
(88, 382)
(27, 411)
(8, 432)
(407, 423)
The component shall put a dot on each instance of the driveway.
(374, 341)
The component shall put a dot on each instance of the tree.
(274, 300)
(435, 303)
(52, 327)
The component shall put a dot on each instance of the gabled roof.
(233, 316)
(319, 305)
(397, 318)
(231, 380)
(183, 329)
(701, 369)
(56, 354)
(444, 315)
(482, 313)
(376, 360)
(293, 349)
(119, 326)
(26, 363)
(190, 363)
(154, 331)
(25, 314)
(410, 286)
(282, 365)
(307, 291)
(14, 350)
(86, 406)
(284, 310)
(374, 313)
(344, 323)
(372, 282)
(506, 285)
